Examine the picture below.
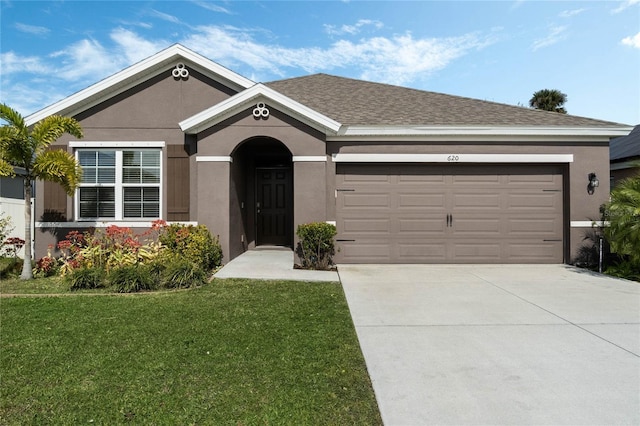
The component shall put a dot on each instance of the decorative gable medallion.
(180, 72)
(261, 111)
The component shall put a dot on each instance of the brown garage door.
(449, 214)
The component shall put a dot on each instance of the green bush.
(86, 278)
(181, 273)
(131, 279)
(316, 246)
(194, 243)
(10, 267)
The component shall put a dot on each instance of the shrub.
(46, 267)
(316, 246)
(194, 243)
(5, 226)
(10, 267)
(86, 278)
(131, 279)
(181, 273)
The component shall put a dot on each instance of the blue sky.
(500, 51)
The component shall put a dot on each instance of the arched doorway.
(262, 170)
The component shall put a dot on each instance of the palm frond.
(50, 129)
(58, 166)
(13, 119)
(6, 169)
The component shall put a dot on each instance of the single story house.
(624, 156)
(407, 176)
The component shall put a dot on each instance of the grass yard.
(237, 352)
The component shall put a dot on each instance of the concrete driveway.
(497, 344)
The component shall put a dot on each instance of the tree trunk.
(27, 272)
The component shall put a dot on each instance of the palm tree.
(623, 214)
(23, 151)
(549, 100)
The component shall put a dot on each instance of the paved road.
(483, 344)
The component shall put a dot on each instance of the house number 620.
(453, 158)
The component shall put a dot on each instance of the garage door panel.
(480, 252)
(534, 251)
(465, 227)
(543, 227)
(540, 201)
(423, 201)
(366, 226)
(424, 226)
(475, 201)
(365, 252)
(450, 214)
(422, 252)
(359, 200)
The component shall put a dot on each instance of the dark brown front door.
(274, 206)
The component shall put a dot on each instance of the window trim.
(119, 185)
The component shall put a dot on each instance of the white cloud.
(555, 35)
(134, 47)
(571, 13)
(165, 16)
(212, 7)
(32, 29)
(87, 59)
(625, 5)
(352, 29)
(397, 60)
(633, 41)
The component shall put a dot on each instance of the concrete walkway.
(490, 345)
(271, 264)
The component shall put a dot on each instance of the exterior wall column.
(309, 191)
(213, 175)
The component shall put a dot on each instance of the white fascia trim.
(588, 224)
(133, 75)
(236, 103)
(478, 133)
(452, 158)
(214, 159)
(117, 144)
(309, 158)
(98, 224)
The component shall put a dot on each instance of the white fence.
(15, 209)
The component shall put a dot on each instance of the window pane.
(87, 158)
(107, 210)
(88, 195)
(150, 158)
(106, 175)
(88, 175)
(131, 158)
(151, 210)
(107, 158)
(132, 195)
(131, 175)
(97, 202)
(151, 195)
(132, 210)
(151, 176)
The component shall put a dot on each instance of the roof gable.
(136, 74)
(258, 93)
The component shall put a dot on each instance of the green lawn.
(237, 352)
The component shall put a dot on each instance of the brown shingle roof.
(357, 102)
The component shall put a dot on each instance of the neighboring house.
(407, 176)
(624, 155)
(12, 205)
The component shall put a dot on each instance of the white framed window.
(119, 184)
